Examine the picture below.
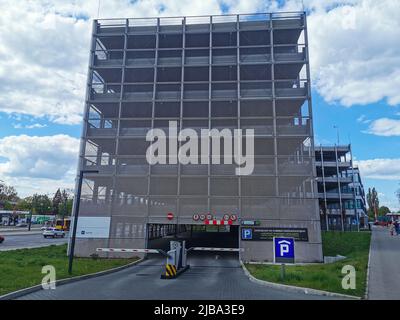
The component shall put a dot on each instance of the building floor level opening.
(199, 236)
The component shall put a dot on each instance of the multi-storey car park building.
(229, 71)
(340, 189)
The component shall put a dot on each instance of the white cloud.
(363, 119)
(383, 169)
(38, 163)
(29, 126)
(354, 48)
(384, 127)
(355, 52)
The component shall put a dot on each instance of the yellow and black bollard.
(170, 270)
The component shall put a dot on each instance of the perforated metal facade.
(231, 71)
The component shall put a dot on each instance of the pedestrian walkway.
(384, 279)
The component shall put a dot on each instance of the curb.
(20, 233)
(366, 294)
(294, 288)
(23, 292)
(33, 247)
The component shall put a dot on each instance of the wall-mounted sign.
(268, 234)
(247, 234)
(170, 215)
(93, 227)
(250, 223)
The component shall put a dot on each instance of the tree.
(57, 201)
(8, 193)
(25, 204)
(41, 204)
(382, 211)
(65, 206)
(373, 203)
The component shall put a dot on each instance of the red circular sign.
(170, 215)
(202, 217)
(233, 217)
(196, 217)
(209, 216)
(226, 217)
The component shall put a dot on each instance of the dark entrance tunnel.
(215, 236)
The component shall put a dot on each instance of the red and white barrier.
(218, 222)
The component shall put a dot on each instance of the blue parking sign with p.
(284, 250)
(247, 234)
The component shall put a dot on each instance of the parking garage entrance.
(195, 235)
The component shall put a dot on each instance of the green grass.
(328, 277)
(22, 268)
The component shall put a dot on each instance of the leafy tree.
(382, 211)
(25, 204)
(65, 206)
(57, 201)
(373, 203)
(8, 193)
(41, 204)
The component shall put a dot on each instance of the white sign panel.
(93, 227)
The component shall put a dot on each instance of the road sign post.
(283, 271)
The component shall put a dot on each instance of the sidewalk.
(384, 280)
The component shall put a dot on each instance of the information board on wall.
(268, 234)
(93, 227)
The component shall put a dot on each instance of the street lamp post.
(76, 212)
(30, 220)
(337, 133)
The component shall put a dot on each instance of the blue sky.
(355, 66)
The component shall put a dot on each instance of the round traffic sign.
(170, 215)
(202, 217)
(209, 216)
(196, 217)
(226, 217)
(233, 217)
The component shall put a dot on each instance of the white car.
(53, 233)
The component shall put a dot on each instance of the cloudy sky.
(44, 47)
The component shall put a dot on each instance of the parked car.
(1, 239)
(381, 223)
(53, 233)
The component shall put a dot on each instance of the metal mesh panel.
(190, 206)
(221, 206)
(96, 196)
(194, 186)
(163, 186)
(224, 186)
(159, 206)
